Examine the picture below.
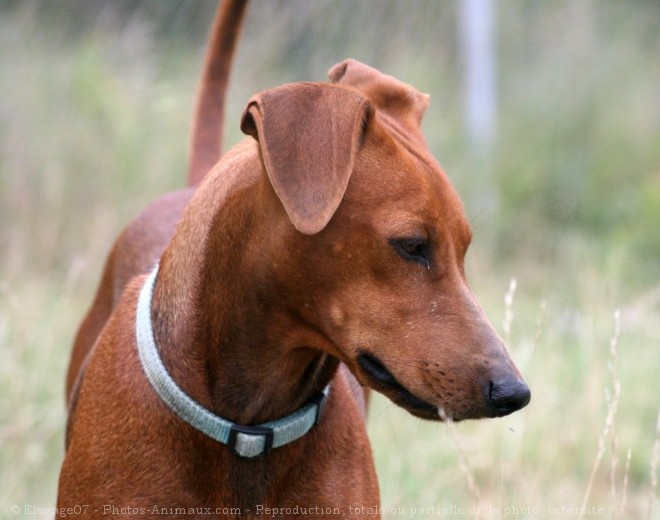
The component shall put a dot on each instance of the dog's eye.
(415, 249)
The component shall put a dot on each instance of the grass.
(93, 125)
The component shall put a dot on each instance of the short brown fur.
(288, 268)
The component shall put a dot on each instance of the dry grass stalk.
(463, 461)
(508, 309)
(624, 488)
(613, 404)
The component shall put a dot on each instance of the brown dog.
(329, 237)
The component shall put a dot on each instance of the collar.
(245, 441)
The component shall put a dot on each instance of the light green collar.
(245, 441)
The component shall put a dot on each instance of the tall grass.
(93, 124)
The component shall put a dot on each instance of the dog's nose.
(507, 396)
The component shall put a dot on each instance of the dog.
(216, 369)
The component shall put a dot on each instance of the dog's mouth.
(383, 380)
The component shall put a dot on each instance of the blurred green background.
(95, 105)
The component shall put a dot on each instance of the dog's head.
(373, 240)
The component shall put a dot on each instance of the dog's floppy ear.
(388, 94)
(309, 134)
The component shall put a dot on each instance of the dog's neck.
(222, 332)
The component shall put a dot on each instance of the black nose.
(507, 396)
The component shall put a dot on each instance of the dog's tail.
(208, 122)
